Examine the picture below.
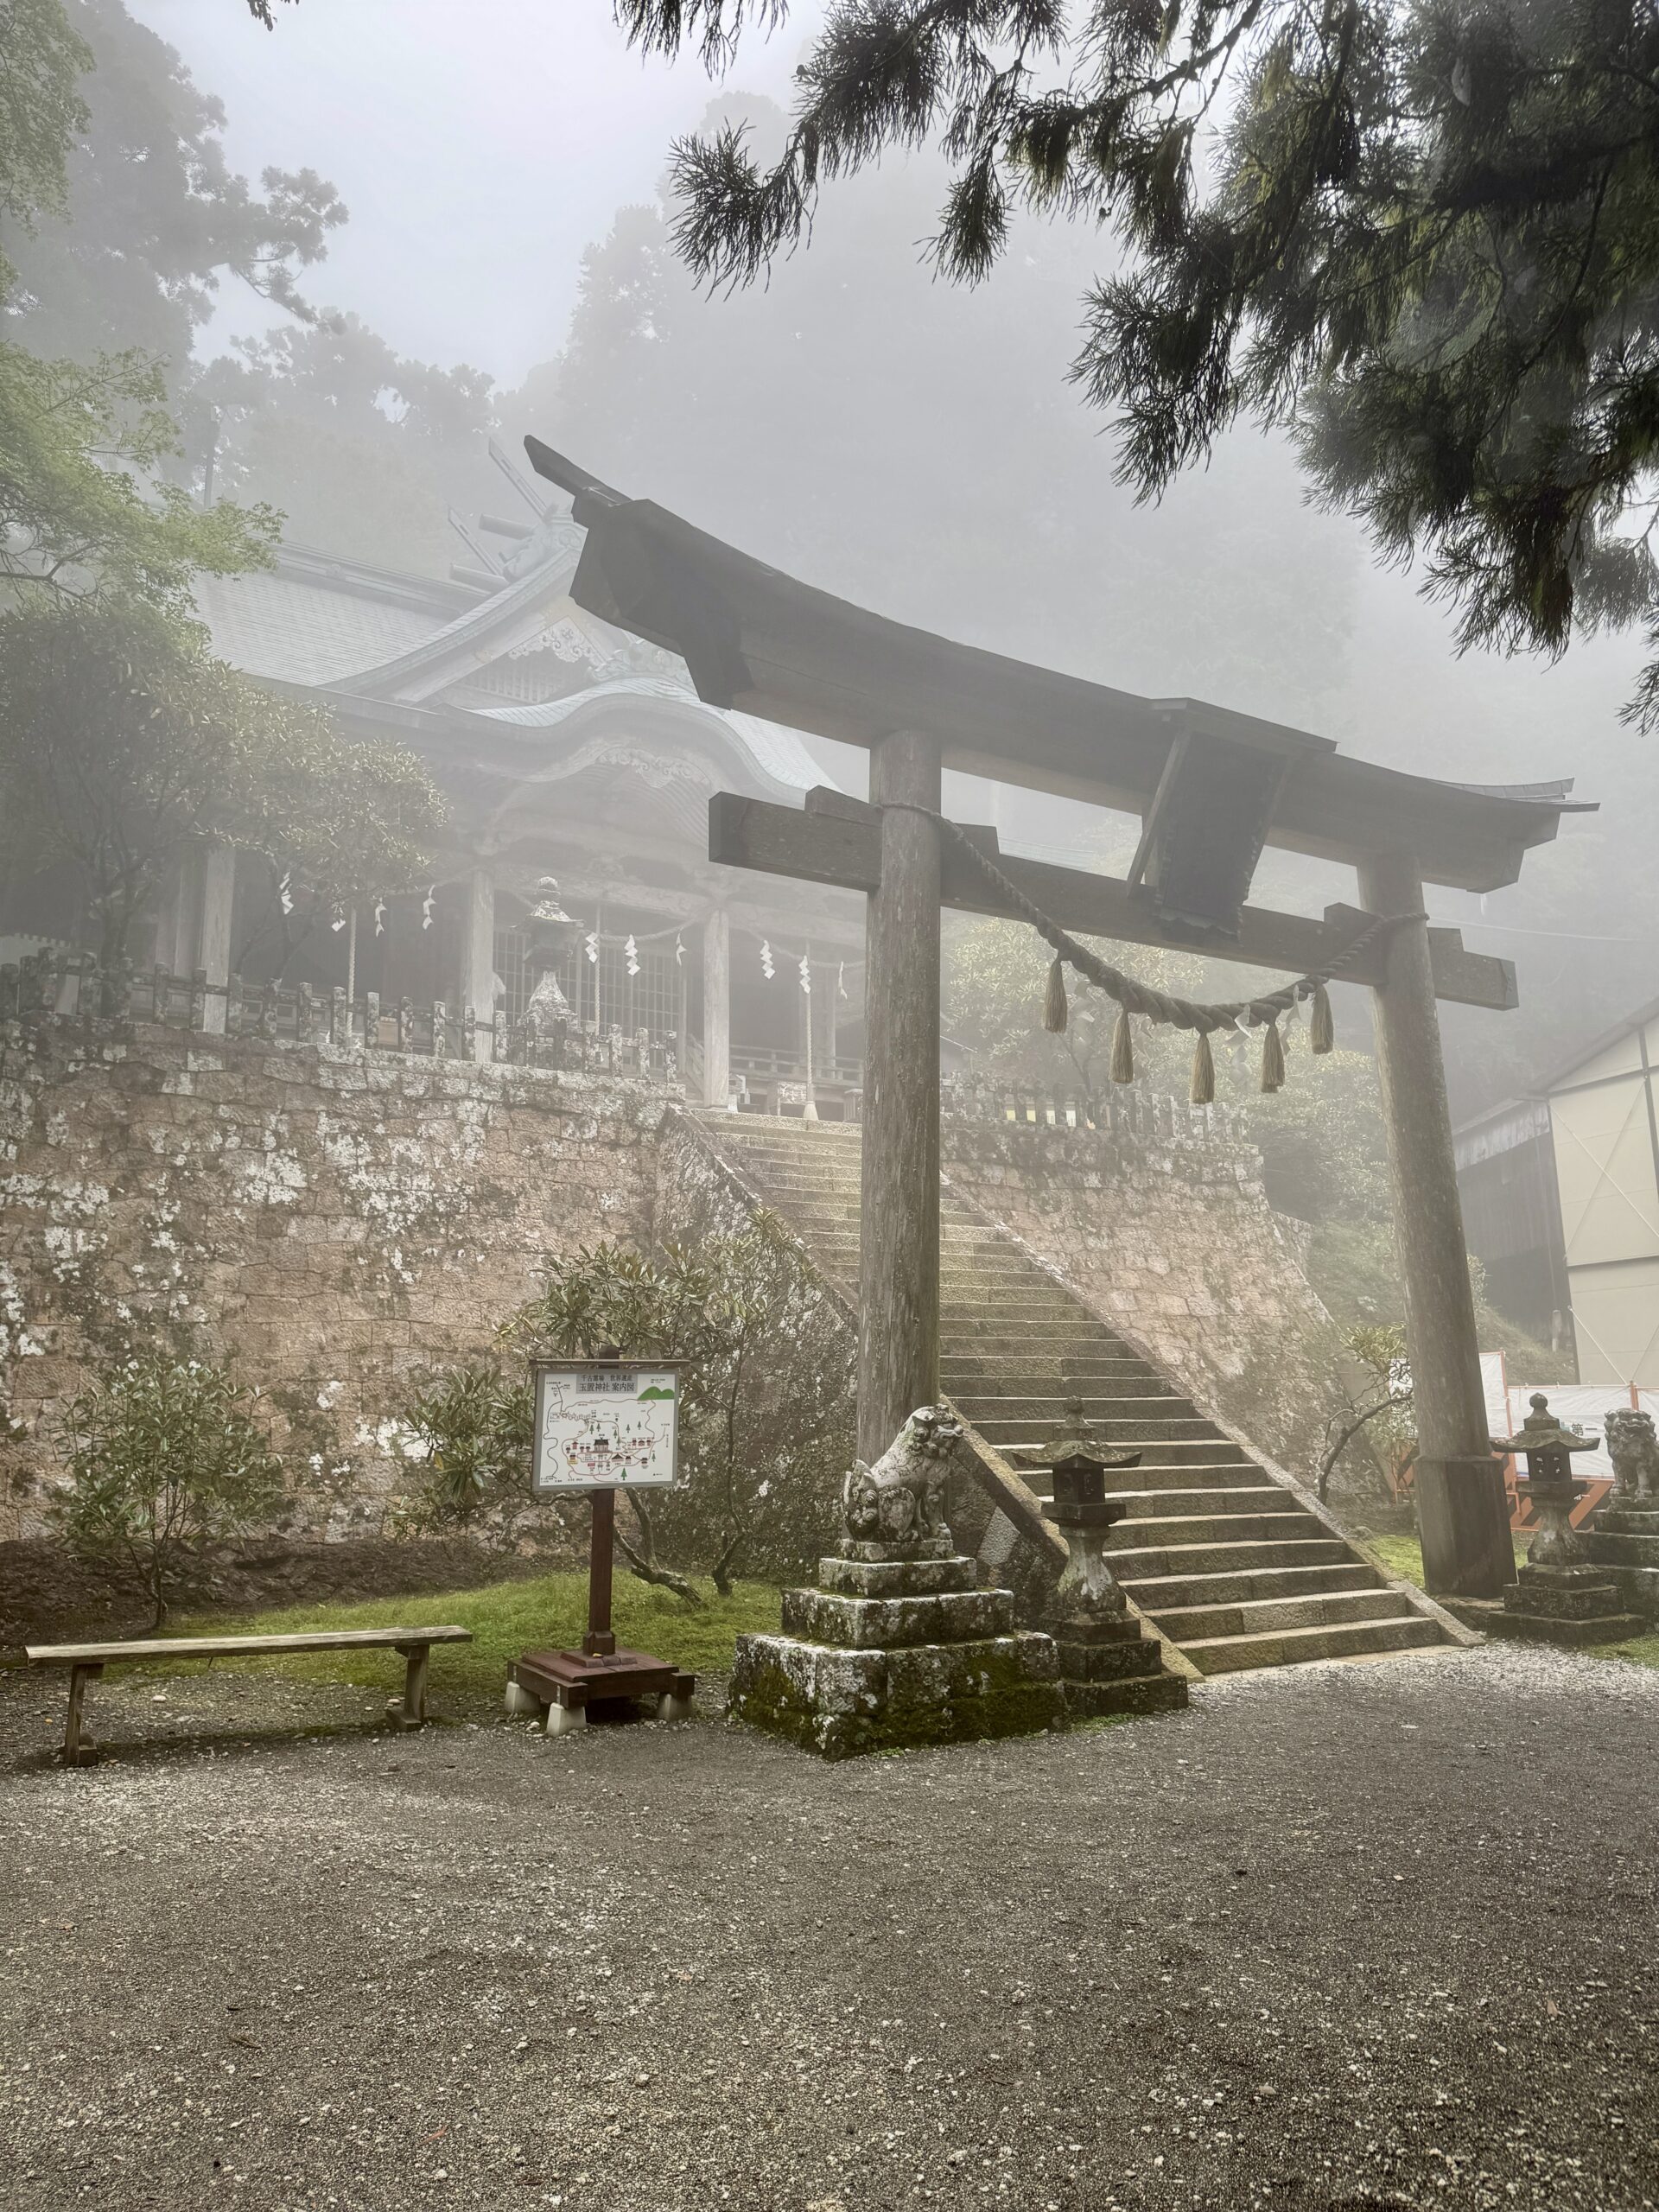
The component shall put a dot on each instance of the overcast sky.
(480, 145)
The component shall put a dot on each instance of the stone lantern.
(552, 934)
(1560, 1595)
(1109, 1664)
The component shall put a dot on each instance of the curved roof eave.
(774, 757)
(509, 618)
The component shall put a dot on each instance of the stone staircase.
(1226, 1561)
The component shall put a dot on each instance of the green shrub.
(471, 1440)
(766, 1393)
(165, 1457)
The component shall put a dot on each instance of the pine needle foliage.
(1424, 239)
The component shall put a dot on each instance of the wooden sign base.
(570, 1684)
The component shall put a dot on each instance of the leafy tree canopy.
(40, 111)
(123, 740)
(82, 505)
(1423, 236)
(147, 218)
(83, 440)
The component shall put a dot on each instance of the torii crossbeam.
(1212, 788)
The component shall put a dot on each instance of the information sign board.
(605, 1424)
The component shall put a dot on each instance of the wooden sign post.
(600, 1425)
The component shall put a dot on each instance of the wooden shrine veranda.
(1212, 788)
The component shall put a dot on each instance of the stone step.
(1011, 1401)
(1157, 1595)
(1230, 1654)
(1221, 1481)
(1129, 1430)
(1621, 1551)
(1171, 1530)
(1186, 1624)
(1036, 1365)
(1202, 1501)
(1005, 1338)
(1046, 1410)
(1626, 1520)
(1161, 1452)
(1143, 1562)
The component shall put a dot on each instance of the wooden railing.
(54, 985)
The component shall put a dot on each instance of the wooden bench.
(85, 1661)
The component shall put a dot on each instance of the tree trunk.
(645, 1565)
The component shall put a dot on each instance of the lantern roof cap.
(1541, 1431)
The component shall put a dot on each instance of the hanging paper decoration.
(632, 953)
(767, 967)
(590, 946)
(679, 950)
(841, 979)
(806, 973)
(427, 905)
(380, 917)
(337, 917)
(284, 891)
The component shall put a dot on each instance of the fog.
(908, 444)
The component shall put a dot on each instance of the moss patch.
(1404, 1556)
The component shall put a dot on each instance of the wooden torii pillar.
(1212, 787)
(898, 1208)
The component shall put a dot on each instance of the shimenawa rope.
(1135, 997)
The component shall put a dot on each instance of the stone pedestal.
(888, 1654)
(1567, 1605)
(1562, 1595)
(1110, 1666)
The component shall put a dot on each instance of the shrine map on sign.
(605, 1428)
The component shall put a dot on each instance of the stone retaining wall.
(337, 1219)
(1169, 1236)
(334, 1219)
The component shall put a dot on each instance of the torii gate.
(1212, 788)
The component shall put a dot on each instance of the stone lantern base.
(1572, 1605)
(1110, 1667)
(886, 1655)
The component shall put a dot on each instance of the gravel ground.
(1344, 1936)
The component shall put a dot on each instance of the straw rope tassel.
(1054, 999)
(1203, 1090)
(1273, 1056)
(1321, 1028)
(1122, 1049)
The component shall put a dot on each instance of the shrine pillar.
(717, 1008)
(898, 1245)
(475, 981)
(1462, 1513)
(218, 912)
